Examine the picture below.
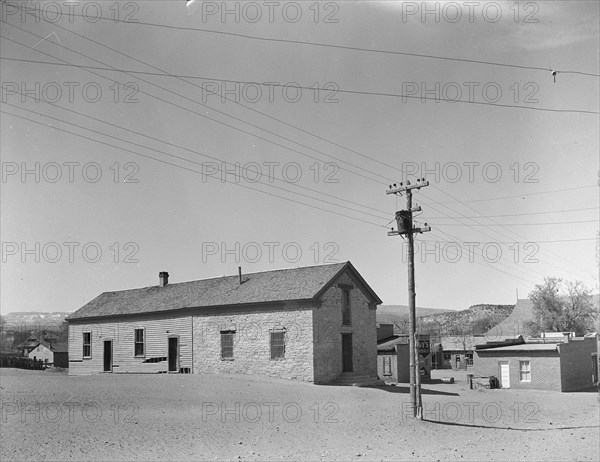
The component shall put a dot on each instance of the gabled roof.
(56, 347)
(32, 343)
(297, 284)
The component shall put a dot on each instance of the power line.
(188, 160)
(316, 88)
(184, 168)
(188, 98)
(522, 224)
(517, 195)
(529, 213)
(204, 105)
(527, 242)
(341, 47)
(478, 259)
(204, 115)
(200, 103)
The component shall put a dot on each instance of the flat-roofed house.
(312, 324)
(564, 365)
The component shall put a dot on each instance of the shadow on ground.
(456, 424)
(406, 390)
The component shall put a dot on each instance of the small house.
(51, 352)
(393, 358)
(565, 365)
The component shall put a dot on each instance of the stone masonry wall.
(252, 347)
(327, 327)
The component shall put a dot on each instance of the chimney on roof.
(163, 278)
(240, 274)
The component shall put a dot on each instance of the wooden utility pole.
(404, 220)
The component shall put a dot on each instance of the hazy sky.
(139, 196)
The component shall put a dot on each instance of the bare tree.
(561, 307)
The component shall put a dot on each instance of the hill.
(17, 327)
(34, 319)
(398, 314)
(475, 320)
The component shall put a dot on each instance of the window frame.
(226, 334)
(274, 346)
(88, 344)
(136, 342)
(469, 358)
(522, 371)
(387, 366)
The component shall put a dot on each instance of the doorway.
(108, 363)
(504, 374)
(173, 354)
(347, 353)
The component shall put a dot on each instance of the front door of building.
(347, 353)
(173, 354)
(108, 356)
(504, 374)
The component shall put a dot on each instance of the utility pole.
(404, 220)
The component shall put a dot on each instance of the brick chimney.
(163, 278)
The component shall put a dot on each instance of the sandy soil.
(51, 416)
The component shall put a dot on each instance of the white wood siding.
(42, 353)
(121, 332)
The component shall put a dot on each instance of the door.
(108, 356)
(173, 354)
(347, 353)
(504, 374)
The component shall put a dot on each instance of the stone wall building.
(311, 324)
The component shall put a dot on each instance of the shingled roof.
(306, 283)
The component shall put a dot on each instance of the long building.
(311, 324)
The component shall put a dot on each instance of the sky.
(120, 161)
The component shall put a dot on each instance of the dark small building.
(393, 358)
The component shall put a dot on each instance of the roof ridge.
(297, 284)
(229, 276)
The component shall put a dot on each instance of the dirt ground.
(51, 416)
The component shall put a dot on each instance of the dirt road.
(50, 416)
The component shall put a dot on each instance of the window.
(524, 371)
(346, 321)
(278, 344)
(469, 357)
(387, 365)
(87, 344)
(139, 340)
(447, 356)
(227, 344)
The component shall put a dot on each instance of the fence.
(21, 362)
